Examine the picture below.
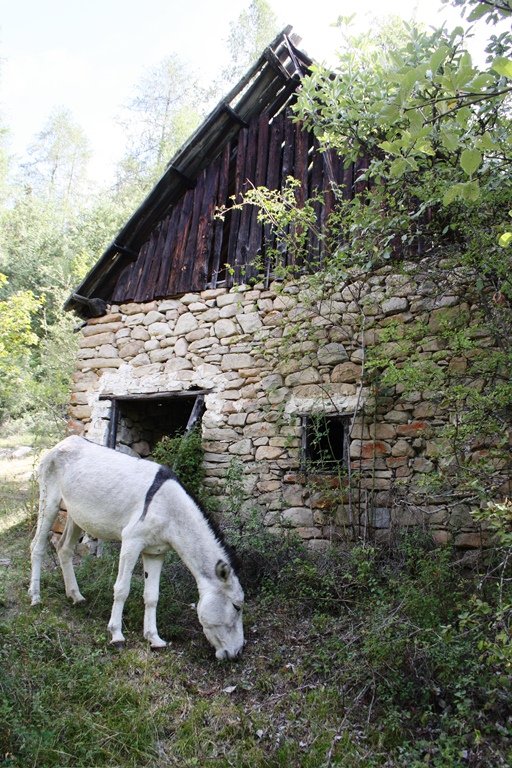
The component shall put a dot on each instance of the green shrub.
(183, 453)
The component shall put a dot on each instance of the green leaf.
(503, 66)
(463, 115)
(470, 191)
(481, 81)
(437, 58)
(450, 195)
(505, 239)
(486, 143)
(389, 113)
(470, 160)
(398, 167)
(386, 146)
(450, 139)
(408, 83)
(426, 148)
(415, 120)
(478, 12)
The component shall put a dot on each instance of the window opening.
(325, 440)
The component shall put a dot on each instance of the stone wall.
(266, 356)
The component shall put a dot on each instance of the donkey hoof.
(158, 646)
(76, 597)
(119, 645)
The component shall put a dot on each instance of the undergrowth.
(364, 655)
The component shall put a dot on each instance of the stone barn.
(187, 321)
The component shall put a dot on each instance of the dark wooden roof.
(173, 243)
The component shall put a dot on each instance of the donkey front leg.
(152, 569)
(130, 550)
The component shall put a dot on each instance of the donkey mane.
(231, 554)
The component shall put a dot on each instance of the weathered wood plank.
(150, 278)
(145, 271)
(256, 228)
(287, 170)
(138, 266)
(242, 244)
(288, 149)
(189, 251)
(181, 235)
(234, 215)
(121, 291)
(275, 152)
(199, 276)
(315, 191)
(168, 251)
(258, 98)
(348, 182)
(300, 170)
(218, 227)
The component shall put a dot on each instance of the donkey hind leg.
(48, 510)
(65, 549)
(130, 551)
(152, 569)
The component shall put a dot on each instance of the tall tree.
(248, 36)
(158, 119)
(59, 157)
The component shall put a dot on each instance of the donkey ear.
(222, 570)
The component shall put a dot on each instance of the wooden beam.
(112, 425)
(154, 395)
(196, 414)
(231, 112)
(190, 183)
(125, 250)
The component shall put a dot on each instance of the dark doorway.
(140, 421)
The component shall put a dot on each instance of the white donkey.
(116, 497)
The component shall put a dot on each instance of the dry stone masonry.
(266, 357)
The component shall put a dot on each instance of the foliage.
(15, 321)
(410, 108)
(183, 453)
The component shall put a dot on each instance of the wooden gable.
(191, 249)
(175, 243)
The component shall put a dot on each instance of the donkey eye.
(237, 608)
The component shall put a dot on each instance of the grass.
(358, 658)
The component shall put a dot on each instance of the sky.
(88, 56)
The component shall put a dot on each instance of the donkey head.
(220, 612)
